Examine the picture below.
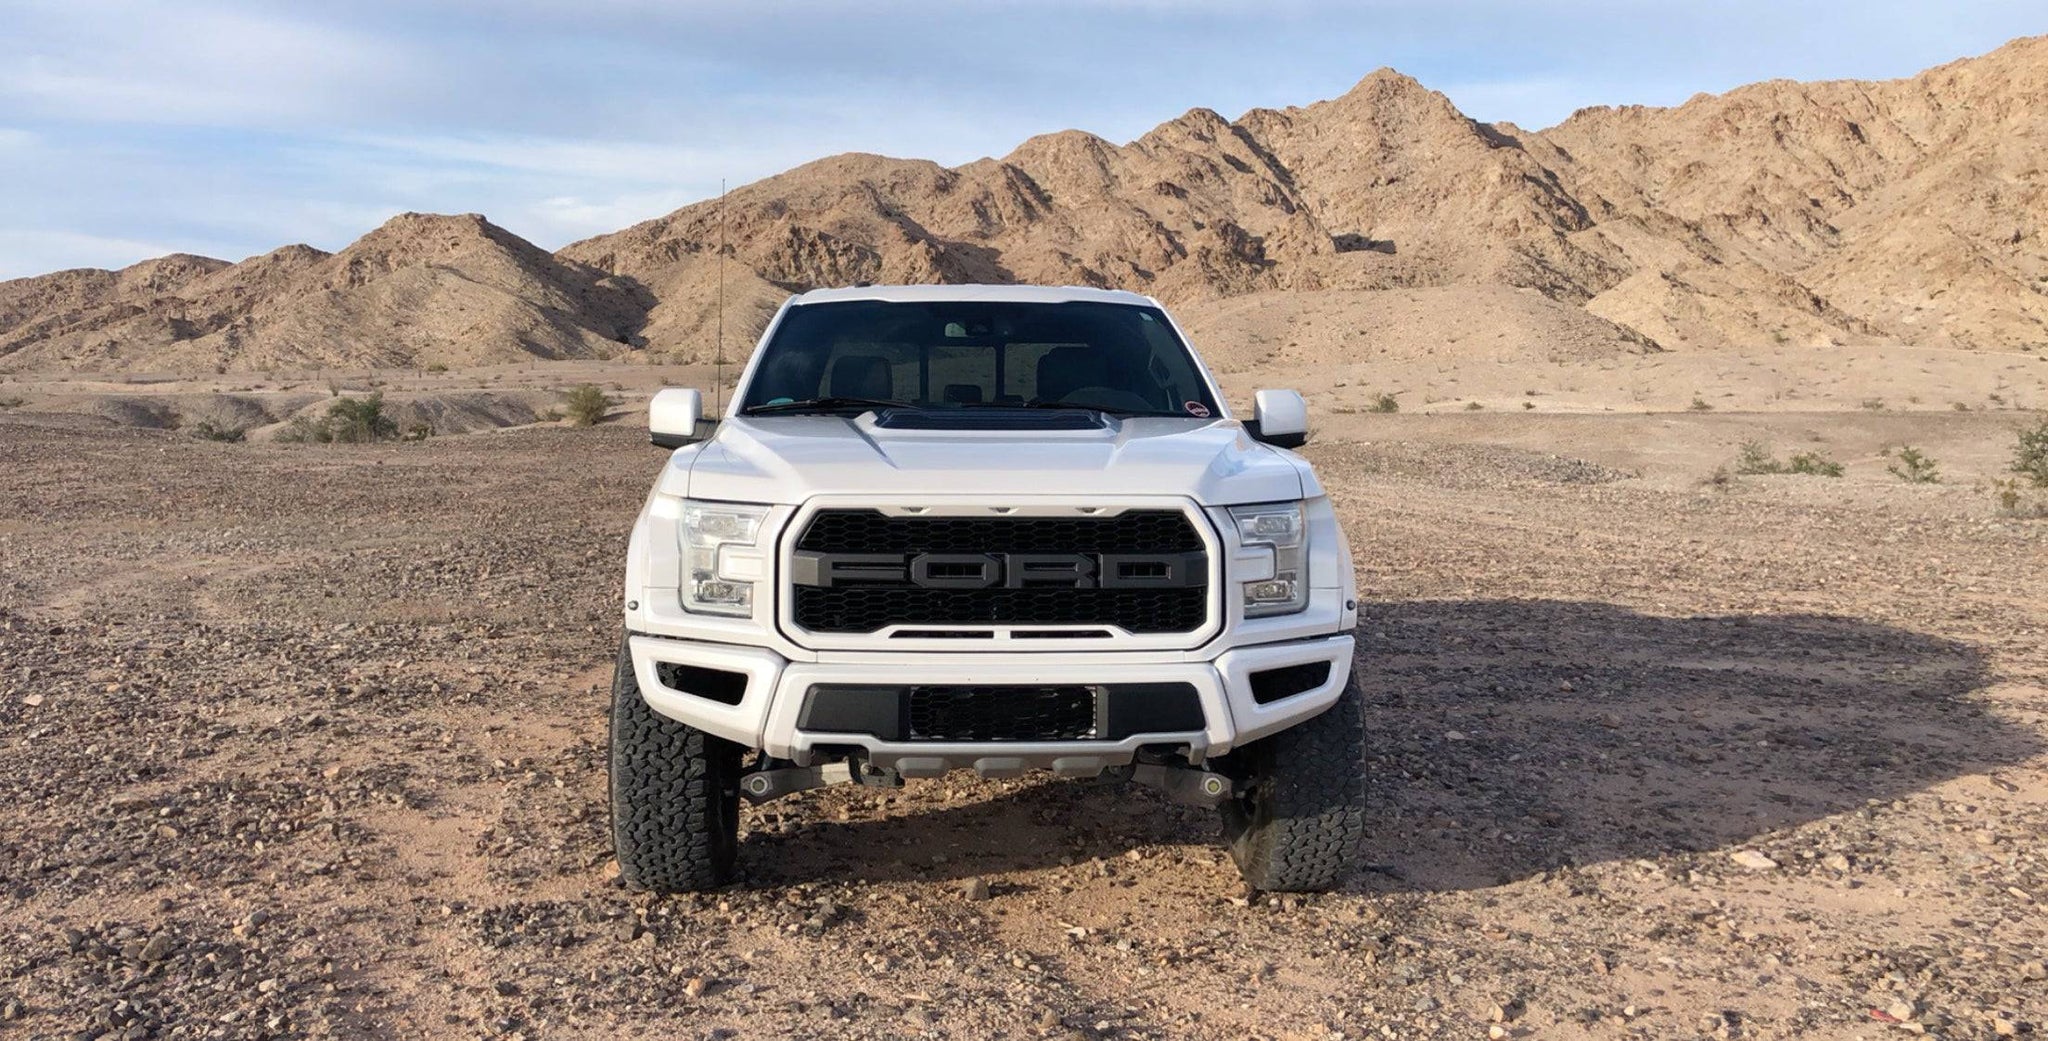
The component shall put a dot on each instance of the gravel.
(307, 742)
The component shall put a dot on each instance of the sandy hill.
(1907, 211)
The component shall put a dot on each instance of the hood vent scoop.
(989, 419)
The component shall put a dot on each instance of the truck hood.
(786, 459)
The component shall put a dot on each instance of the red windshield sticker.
(1196, 409)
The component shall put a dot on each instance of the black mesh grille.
(989, 713)
(865, 608)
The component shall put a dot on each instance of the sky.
(130, 129)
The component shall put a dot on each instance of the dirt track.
(306, 741)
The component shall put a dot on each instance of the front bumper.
(765, 715)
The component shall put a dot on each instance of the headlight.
(1279, 529)
(721, 560)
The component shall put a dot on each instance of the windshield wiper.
(825, 404)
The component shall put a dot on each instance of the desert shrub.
(2030, 454)
(360, 420)
(1385, 403)
(348, 420)
(1755, 458)
(416, 432)
(586, 404)
(1914, 466)
(437, 367)
(2013, 501)
(1473, 406)
(1959, 406)
(1699, 404)
(1874, 404)
(1719, 480)
(1813, 464)
(304, 430)
(12, 402)
(1528, 405)
(208, 430)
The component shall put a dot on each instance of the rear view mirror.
(673, 415)
(1279, 418)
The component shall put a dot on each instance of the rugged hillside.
(1902, 211)
(1907, 211)
(419, 290)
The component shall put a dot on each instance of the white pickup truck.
(988, 528)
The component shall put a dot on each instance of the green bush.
(1814, 464)
(1699, 404)
(1915, 467)
(348, 420)
(304, 430)
(2014, 502)
(1385, 403)
(2030, 454)
(586, 404)
(360, 420)
(1756, 458)
(208, 430)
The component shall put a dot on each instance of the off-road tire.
(674, 794)
(1300, 825)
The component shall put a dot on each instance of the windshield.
(1114, 357)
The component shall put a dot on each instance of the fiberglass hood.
(786, 459)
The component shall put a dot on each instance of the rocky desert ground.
(306, 741)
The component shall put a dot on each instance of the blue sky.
(129, 129)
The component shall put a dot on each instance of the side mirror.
(672, 417)
(1279, 418)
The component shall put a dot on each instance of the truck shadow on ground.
(1508, 737)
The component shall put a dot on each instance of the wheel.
(1299, 827)
(675, 795)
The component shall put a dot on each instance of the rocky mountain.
(420, 290)
(1904, 211)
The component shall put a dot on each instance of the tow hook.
(1188, 785)
(766, 785)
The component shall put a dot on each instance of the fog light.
(1272, 591)
(724, 594)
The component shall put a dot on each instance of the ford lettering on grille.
(1002, 570)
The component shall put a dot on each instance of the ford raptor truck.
(991, 528)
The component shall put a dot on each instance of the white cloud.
(210, 63)
(31, 251)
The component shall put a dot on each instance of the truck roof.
(993, 294)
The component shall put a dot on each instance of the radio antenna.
(718, 359)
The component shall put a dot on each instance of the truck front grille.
(860, 570)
